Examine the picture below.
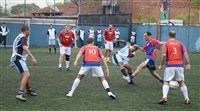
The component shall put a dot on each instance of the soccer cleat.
(32, 93)
(187, 101)
(111, 95)
(68, 69)
(109, 61)
(20, 97)
(70, 94)
(126, 78)
(162, 101)
(59, 69)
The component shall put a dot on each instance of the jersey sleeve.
(24, 41)
(164, 49)
(184, 48)
(73, 35)
(100, 53)
(47, 32)
(82, 50)
(156, 42)
(105, 32)
(60, 34)
(55, 32)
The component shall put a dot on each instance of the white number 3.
(174, 50)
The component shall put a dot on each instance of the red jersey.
(91, 55)
(174, 51)
(66, 37)
(150, 48)
(109, 34)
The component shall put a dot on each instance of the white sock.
(67, 64)
(105, 84)
(165, 90)
(184, 91)
(60, 65)
(75, 85)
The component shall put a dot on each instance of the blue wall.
(186, 34)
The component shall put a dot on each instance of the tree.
(18, 9)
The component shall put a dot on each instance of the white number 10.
(92, 51)
(174, 50)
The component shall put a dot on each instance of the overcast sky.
(40, 3)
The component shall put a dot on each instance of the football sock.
(123, 71)
(28, 89)
(20, 92)
(75, 85)
(49, 50)
(54, 48)
(165, 90)
(184, 91)
(105, 85)
(161, 80)
(67, 64)
(60, 65)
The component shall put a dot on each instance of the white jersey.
(82, 33)
(74, 31)
(124, 52)
(18, 52)
(117, 34)
(51, 33)
(4, 31)
(91, 33)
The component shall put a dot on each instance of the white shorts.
(65, 50)
(96, 71)
(109, 45)
(170, 72)
(117, 58)
(52, 42)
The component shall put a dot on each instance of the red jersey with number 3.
(109, 34)
(91, 54)
(66, 38)
(174, 51)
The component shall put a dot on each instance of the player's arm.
(25, 47)
(58, 39)
(161, 43)
(163, 58)
(77, 58)
(186, 57)
(139, 47)
(104, 36)
(75, 45)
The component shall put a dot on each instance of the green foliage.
(18, 9)
(142, 18)
(195, 3)
(152, 19)
(187, 18)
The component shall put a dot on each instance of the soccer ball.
(173, 84)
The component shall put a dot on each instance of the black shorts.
(150, 64)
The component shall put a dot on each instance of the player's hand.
(34, 61)
(60, 45)
(107, 72)
(160, 67)
(75, 63)
(187, 67)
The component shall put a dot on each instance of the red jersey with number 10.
(174, 51)
(91, 54)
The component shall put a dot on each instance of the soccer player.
(108, 36)
(150, 54)
(18, 59)
(99, 38)
(51, 36)
(3, 33)
(173, 52)
(91, 62)
(121, 59)
(64, 40)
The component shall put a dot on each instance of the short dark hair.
(90, 40)
(51, 24)
(24, 28)
(172, 34)
(3, 22)
(148, 33)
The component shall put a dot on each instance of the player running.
(91, 62)
(150, 54)
(18, 59)
(121, 59)
(108, 36)
(173, 51)
(64, 40)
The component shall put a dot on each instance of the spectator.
(3, 33)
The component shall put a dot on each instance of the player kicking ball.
(91, 62)
(150, 54)
(18, 59)
(174, 51)
(121, 59)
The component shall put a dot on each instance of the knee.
(181, 83)
(26, 74)
(67, 57)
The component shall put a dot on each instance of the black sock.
(28, 89)
(108, 89)
(123, 72)
(49, 50)
(55, 49)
